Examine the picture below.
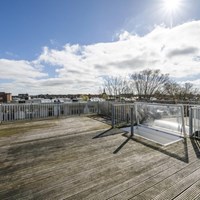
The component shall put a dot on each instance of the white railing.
(118, 113)
(165, 117)
(14, 112)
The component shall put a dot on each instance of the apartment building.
(5, 97)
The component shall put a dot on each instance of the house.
(24, 96)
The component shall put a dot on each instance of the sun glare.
(172, 5)
(171, 9)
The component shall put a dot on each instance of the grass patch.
(6, 132)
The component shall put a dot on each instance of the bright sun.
(172, 5)
(171, 9)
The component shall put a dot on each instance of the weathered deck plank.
(175, 190)
(191, 192)
(169, 182)
(110, 165)
(82, 158)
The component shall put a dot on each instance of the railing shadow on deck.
(156, 147)
(101, 118)
(122, 145)
(196, 146)
(109, 132)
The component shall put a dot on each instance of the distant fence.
(14, 112)
(118, 113)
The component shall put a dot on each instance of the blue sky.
(65, 46)
(28, 25)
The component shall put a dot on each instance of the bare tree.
(115, 85)
(172, 89)
(180, 92)
(148, 82)
(187, 91)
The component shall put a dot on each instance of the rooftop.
(83, 158)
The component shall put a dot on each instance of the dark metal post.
(136, 115)
(1, 114)
(190, 122)
(98, 111)
(113, 116)
(108, 109)
(127, 118)
(31, 111)
(132, 125)
(183, 121)
(79, 109)
(58, 110)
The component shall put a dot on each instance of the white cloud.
(19, 70)
(79, 68)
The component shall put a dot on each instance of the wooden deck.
(82, 158)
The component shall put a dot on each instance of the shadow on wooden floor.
(101, 118)
(109, 132)
(122, 145)
(184, 157)
(196, 146)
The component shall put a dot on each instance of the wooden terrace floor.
(83, 158)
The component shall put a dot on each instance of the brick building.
(5, 97)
